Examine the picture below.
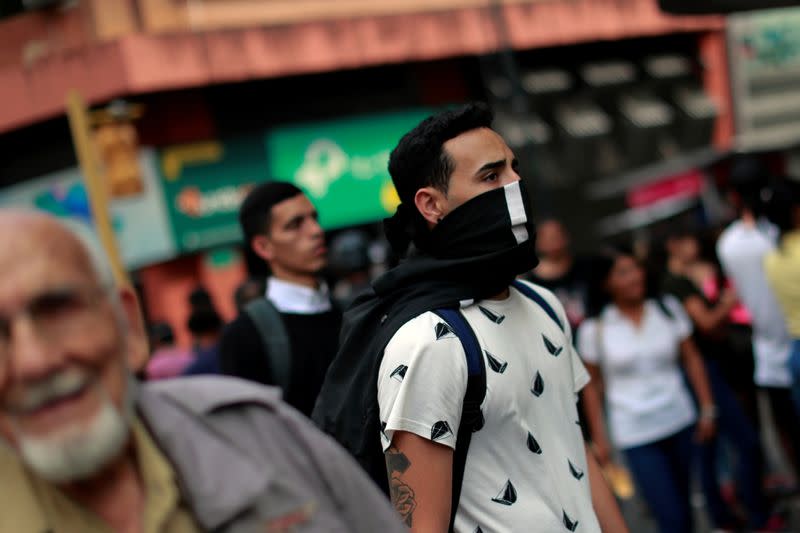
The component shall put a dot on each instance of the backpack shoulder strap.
(471, 416)
(531, 293)
(274, 336)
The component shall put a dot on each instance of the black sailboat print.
(568, 523)
(496, 364)
(507, 496)
(444, 330)
(399, 373)
(494, 317)
(441, 430)
(576, 472)
(538, 385)
(554, 351)
(533, 445)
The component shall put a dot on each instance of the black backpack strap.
(275, 338)
(536, 297)
(471, 416)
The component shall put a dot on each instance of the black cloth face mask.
(481, 245)
(491, 222)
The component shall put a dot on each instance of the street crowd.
(488, 381)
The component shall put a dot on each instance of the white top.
(646, 394)
(290, 297)
(742, 249)
(527, 465)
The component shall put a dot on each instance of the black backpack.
(274, 338)
(366, 447)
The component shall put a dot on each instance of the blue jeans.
(734, 427)
(661, 471)
(794, 367)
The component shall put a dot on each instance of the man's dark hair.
(200, 297)
(419, 159)
(256, 210)
(749, 179)
(204, 321)
(161, 334)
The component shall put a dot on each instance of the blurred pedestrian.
(465, 376)
(782, 267)
(205, 325)
(711, 332)
(350, 263)
(168, 359)
(635, 348)
(742, 248)
(87, 449)
(289, 337)
(560, 271)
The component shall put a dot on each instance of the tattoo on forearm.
(402, 495)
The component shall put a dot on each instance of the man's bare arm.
(603, 501)
(420, 482)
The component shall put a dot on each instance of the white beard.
(79, 452)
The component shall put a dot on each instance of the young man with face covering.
(465, 228)
(84, 448)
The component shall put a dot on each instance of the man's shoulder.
(426, 327)
(205, 394)
(544, 292)
(548, 296)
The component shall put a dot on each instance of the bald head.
(68, 342)
(40, 238)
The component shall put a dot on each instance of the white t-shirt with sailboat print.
(526, 467)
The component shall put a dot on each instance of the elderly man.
(87, 449)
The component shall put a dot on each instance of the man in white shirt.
(742, 249)
(280, 226)
(527, 467)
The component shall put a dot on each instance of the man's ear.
(262, 246)
(430, 203)
(138, 345)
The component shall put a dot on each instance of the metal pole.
(96, 187)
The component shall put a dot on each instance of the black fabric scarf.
(474, 253)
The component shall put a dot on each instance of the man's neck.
(305, 280)
(116, 494)
(501, 296)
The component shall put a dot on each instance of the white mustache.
(52, 389)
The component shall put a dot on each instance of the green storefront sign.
(204, 184)
(341, 164)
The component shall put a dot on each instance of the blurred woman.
(711, 320)
(634, 347)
